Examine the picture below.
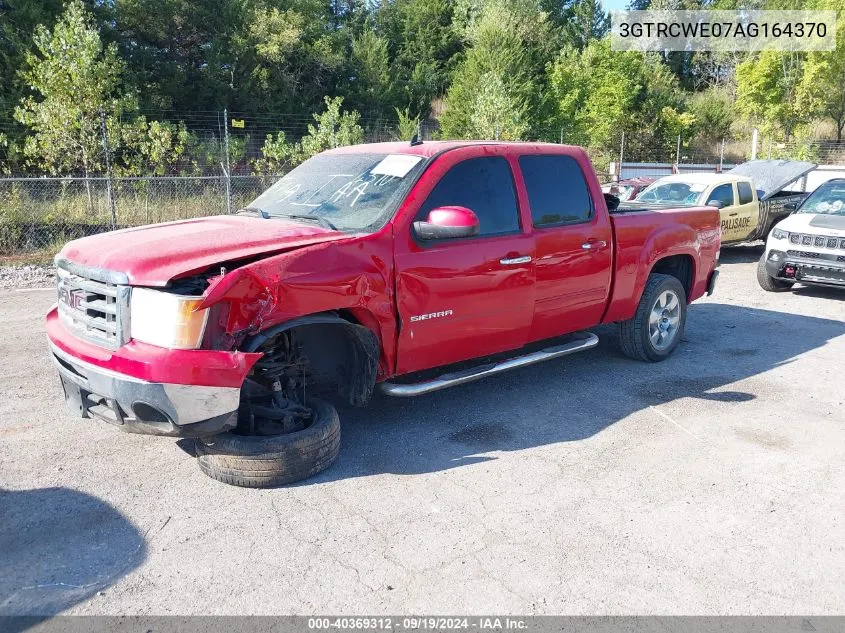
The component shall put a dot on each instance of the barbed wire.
(39, 213)
(205, 151)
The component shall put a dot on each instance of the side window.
(724, 194)
(557, 190)
(484, 185)
(745, 193)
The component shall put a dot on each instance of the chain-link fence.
(43, 213)
(40, 214)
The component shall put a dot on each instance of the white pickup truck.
(808, 247)
(750, 197)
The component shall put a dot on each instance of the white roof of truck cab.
(704, 178)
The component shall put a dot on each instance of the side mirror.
(790, 206)
(445, 223)
(611, 201)
(715, 203)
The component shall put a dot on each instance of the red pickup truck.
(410, 267)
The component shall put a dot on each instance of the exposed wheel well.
(332, 351)
(679, 266)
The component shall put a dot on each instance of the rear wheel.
(658, 324)
(767, 282)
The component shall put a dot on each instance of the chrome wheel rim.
(664, 320)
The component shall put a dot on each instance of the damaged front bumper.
(159, 400)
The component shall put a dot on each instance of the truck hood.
(153, 255)
(770, 176)
(814, 224)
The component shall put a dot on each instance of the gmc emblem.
(72, 298)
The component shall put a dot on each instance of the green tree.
(598, 93)
(181, 53)
(595, 93)
(587, 21)
(423, 48)
(73, 78)
(821, 89)
(407, 125)
(496, 114)
(9, 154)
(714, 113)
(335, 127)
(307, 57)
(247, 55)
(277, 155)
(148, 148)
(768, 89)
(18, 19)
(370, 86)
(509, 47)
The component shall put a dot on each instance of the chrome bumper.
(139, 406)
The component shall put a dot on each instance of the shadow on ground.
(745, 254)
(59, 547)
(572, 398)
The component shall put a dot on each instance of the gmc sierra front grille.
(93, 310)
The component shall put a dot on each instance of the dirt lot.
(711, 483)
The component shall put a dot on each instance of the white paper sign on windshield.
(397, 165)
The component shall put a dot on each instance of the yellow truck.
(750, 198)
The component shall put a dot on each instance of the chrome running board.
(583, 341)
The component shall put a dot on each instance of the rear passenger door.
(573, 246)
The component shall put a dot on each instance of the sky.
(610, 5)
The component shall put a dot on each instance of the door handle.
(731, 215)
(593, 245)
(513, 261)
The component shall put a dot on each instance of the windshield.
(675, 192)
(349, 192)
(623, 192)
(828, 199)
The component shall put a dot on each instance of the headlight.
(780, 234)
(166, 319)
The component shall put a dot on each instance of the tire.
(767, 282)
(255, 461)
(635, 335)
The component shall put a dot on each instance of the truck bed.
(691, 230)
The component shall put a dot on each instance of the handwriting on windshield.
(359, 186)
(288, 192)
(351, 191)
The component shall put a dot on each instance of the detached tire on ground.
(768, 283)
(658, 324)
(255, 461)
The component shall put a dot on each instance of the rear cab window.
(746, 195)
(557, 190)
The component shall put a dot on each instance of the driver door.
(466, 297)
(728, 214)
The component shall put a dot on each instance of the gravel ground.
(711, 483)
(27, 276)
